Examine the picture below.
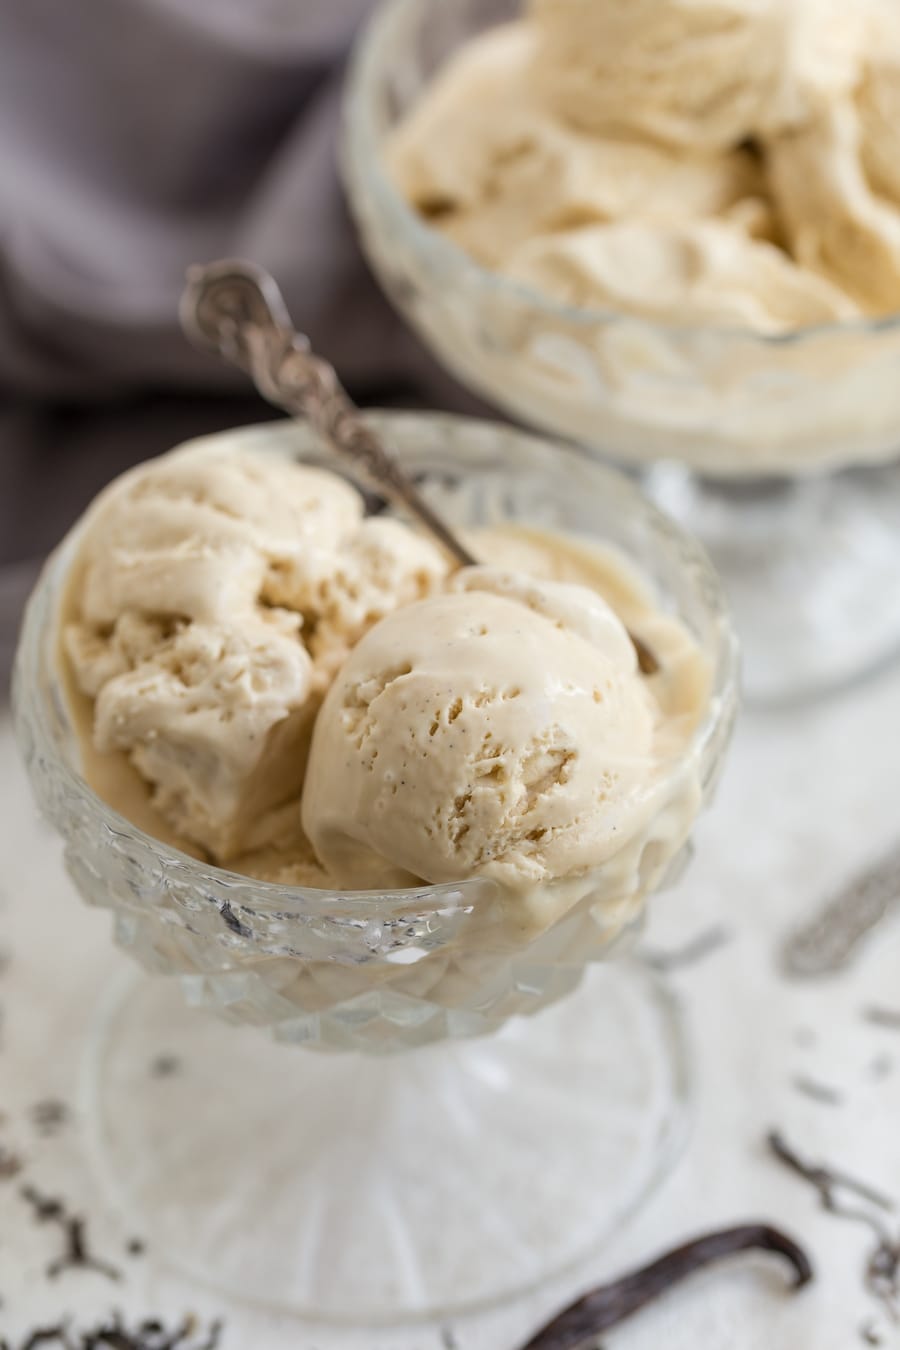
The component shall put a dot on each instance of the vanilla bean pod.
(607, 1306)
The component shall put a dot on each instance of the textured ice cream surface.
(214, 591)
(878, 101)
(838, 223)
(207, 532)
(725, 162)
(379, 567)
(526, 558)
(687, 72)
(213, 718)
(569, 605)
(493, 167)
(696, 74)
(500, 730)
(824, 47)
(703, 271)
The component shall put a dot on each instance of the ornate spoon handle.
(236, 309)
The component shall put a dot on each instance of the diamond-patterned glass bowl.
(374, 971)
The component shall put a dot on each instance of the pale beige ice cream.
(493, 167)
(837, 179)
(474, 733)
(694, 74)
(215, 591)
(838, 226)
(698, 161)
(878, 103)
(706, 270)
(690, 73)
(220, 592)
(504, 730)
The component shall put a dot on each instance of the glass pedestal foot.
(811, 567)
(368, 1190)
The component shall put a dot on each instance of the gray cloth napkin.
(136, 137)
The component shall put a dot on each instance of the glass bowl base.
(811, 567)
(382, 1190)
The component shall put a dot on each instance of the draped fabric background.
(137, 136)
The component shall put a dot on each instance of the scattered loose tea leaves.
(703, 945)
(888, 1018)
(165, 1066)
(610, 1304)
(151, 1334)
(826, 1180)
(46, 1208)
(57, 1335)
(817, 1092)
(881, 1067)
(136, 1247)
(76, 1254)
(114, 1334)
(10, 1164)
(881, 1275)
(48, 1117)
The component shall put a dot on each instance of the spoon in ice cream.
(235, 308)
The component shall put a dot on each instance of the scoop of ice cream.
(570, 606)
(836, 223)
(501, 729)
(207, 532)
(837, 179)
(213, 718)
(707, 271)
(700, 74)
(686, 72)
(216, 590)
(379, 566)
(878, 101)
(696, 161)
(434, 154)
(824, 47)
(482, 157)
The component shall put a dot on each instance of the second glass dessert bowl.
(371, 1186)
(777, 451)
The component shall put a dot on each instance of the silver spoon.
(235, 308)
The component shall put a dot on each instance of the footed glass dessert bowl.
(371, 1184)
(777, 450)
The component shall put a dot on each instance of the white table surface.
(809, 796)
